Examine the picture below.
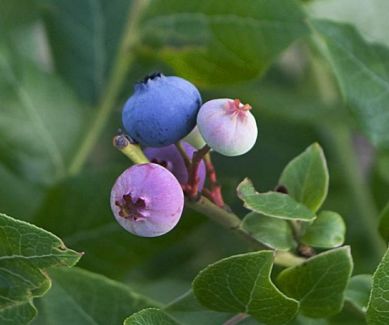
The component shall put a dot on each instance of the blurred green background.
(66, 68)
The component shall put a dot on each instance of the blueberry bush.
(194, 162)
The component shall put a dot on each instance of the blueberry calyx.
(151, 76)
(164, 163)
(131, 209)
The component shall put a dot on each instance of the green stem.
(119, 72)
(341, 140)
(232, 222)
(132, 151)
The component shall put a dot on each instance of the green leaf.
(78, 210)
(195, 37)
(327, 231)
(26, 252)
(187, 310)
(348, 316)
(362, 70)
(18, 187)
(306, 177)
(150, 316)
(241, 283)
(378, 307)
(84, 39)
(272, 204)
(41, 120)
(272, 232)
(319, 283)
(358, 291)
(82, 297)
(369, 17)
(17, 12)
(302, 320)
(384, 223)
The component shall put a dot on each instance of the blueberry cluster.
(147, 199)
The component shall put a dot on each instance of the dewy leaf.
(272, 232)
(306, 177)
(362, 70)
(82, 297)
(327, 231)
(272, 204)
(241, 283)
(378, 307)
(384, 223)
(358, 291)
(215, 42)
(41, 120)
(84, 39)
(319, 283)
(150, 316)
(26, 252)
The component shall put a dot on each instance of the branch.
(227, 219)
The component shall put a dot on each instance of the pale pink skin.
(156, 204)
(227, 126)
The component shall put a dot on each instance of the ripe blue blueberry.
(162, 110)
(147, 200)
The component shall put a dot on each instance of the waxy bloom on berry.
(147, 200)
(227, 126)
(161, 111)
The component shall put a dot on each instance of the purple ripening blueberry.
(227, 126)
(147, 200)
(170, 158)
(162, 110)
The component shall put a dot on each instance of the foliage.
(313, 71)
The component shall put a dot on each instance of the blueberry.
(227, 126)
(170, 158)
(162, 110)
(147, 200)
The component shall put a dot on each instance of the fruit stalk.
(193, 181)
(227, 219)
(183, 154)
(132, 151)
(215, 193)
(232, 222)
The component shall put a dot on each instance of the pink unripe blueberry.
(227, 126)
(147, 200)
(170, 158)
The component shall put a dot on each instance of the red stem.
(182, 151)
(216, 192)
(192, 188)
(194, 171)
